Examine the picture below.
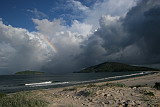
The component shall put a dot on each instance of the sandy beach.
(132, 92)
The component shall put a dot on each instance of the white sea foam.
(47, 83)
(40, 83)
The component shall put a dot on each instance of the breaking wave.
(45, 83)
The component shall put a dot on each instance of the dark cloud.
(142, 24)
(133, 39)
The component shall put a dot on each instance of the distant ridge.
(28, 72)
(115, 67)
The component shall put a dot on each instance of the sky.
(58, 36)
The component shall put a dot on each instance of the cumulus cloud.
(108, 7)
(50, 47)
(67, 40)
(21, 50)
(126, 33)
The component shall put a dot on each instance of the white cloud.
(108, 20)
(70, 9)
(37, 13)
(21, 50)
(108, 7)
(53, 42)
(49, 27)
(81, 28)
(79, 5)
(67, 40)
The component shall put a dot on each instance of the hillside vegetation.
(29, 72)
(115, 67)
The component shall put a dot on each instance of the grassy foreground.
(21, 99)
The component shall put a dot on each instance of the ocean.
(16, 83)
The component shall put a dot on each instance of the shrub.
(157, 85)
(149, 93)
(69, 89)
(85, 93)
(115, 85)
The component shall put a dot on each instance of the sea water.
(15, 83)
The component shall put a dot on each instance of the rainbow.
(50, 44)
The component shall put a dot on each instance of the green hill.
(115, 67)
(29, 72)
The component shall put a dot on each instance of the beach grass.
(70, 89)
(112, 85)
(91, 85)
(115, 85)
(22, 99)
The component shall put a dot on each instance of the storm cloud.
(130, 35)
(142, 24)
(132, 39)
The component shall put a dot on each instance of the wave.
(47, 83)
(40, 83)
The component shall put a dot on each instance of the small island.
(28, 72)
(115, 67)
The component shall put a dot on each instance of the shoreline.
(51, 84)
(126, 81)
(130, 92)
(148, 79)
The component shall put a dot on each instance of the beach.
(131, 92)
